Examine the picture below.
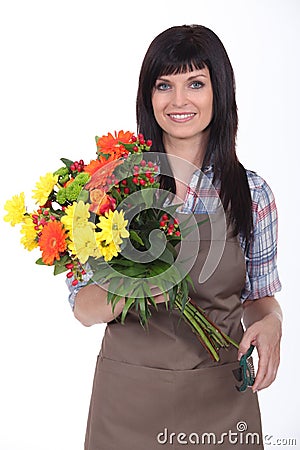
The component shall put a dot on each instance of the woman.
(161, 387)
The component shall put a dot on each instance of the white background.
(69, 71)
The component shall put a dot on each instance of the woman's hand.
(265, 334)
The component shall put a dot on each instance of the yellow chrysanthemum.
(113, 227)
(44, 187)
(29, 240)
(84, 244)
(16, 209)
(108, 251)
(77, 216)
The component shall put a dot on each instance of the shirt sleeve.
(261, 256)
(75, 289)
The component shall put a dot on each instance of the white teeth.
(181, 116)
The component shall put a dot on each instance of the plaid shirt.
(261, 253)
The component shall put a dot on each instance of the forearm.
(91, 306)
(255, 310)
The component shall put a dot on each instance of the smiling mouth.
(184, 117)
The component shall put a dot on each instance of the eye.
(197, 84)
(162, 86)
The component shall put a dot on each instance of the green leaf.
(40, 262)
(60, 266)
(59, 269)
(147, 195)
(128, 303)
(67, 162)
(167, 256)
(135, 237)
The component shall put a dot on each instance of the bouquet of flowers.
(110, 215)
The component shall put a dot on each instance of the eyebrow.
(189, 79)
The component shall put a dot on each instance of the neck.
(191, 150)
(189, 155)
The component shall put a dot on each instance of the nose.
(179, 97)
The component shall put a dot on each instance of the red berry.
(46, 212)
(72, 167)
(126, 190)
(149, 143)
(133, 139)
(135, 148)
(135, 180)
(165, 217)
(74, 282)
(81, 162)
(148, 174)
(69, 266)
(136, 168)
(176, 222)
(69, 274)
(140, 136)
(143, 163)
(150, 164)
(151, 180)
(142, 182)
(124, 182)
(177, 233)
(162, 223)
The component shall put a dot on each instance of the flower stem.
(211, 337)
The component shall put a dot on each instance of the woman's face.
(183, 103)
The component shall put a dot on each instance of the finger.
(247, 340)
(262, 371)
(272, 370)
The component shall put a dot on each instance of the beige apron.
(160, 388)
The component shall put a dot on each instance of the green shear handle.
(246, 370)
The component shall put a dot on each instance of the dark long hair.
(181, 49)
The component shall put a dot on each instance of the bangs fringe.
(175, 67)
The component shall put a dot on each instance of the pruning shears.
(245, 373)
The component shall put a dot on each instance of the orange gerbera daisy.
(111, 144)
(93, 166)
(99, 178)
(52, 242)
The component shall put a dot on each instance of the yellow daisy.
(77, 216)
(113, 227)
(84, 244)
(16, 209)
(29, 240)
(108, 251)
(44, 187)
